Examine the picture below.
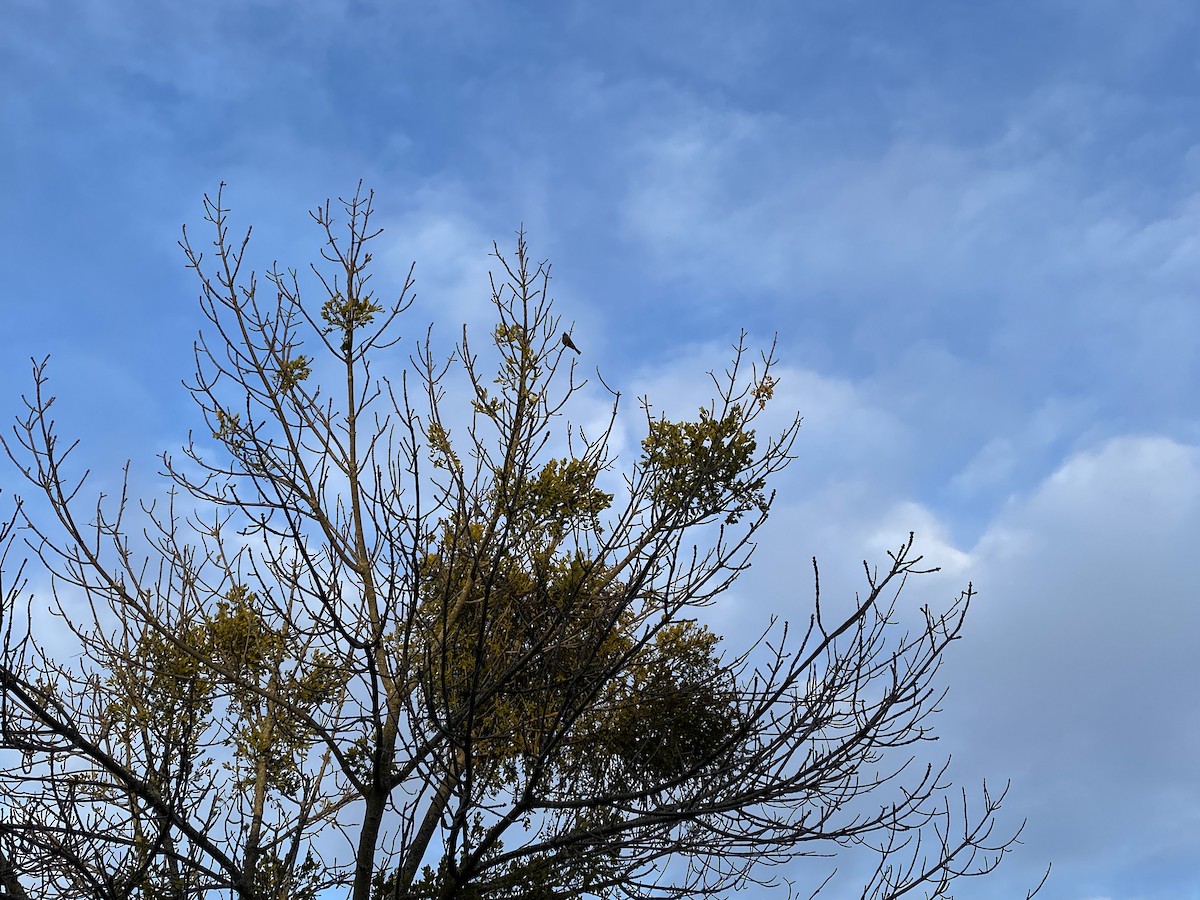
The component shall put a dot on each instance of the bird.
(568, 343)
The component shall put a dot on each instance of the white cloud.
(1074, 675)
(1076, 670)
(1011, 251)
(1005, 458)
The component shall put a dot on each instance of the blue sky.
(975, 228)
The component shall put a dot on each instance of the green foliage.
(229, 431)
(161, 692)
(541, 876)
(702, 468)
(266, 688)
(441, 451)
(511, 638)
(562, 493)
(345, 314)
(515, 339)
(666, 716)
(293, 371)
(531, 648)
(274, 879)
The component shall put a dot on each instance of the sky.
(973, 227)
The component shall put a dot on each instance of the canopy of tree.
(420, 636)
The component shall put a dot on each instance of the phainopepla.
(568, 343)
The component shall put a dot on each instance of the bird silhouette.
(568, 343)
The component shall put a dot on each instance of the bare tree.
(382, 637)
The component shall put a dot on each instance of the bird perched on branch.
(568, 343)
